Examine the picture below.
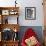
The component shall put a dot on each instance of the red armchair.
(28, 34)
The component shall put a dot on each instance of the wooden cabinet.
(9, 25)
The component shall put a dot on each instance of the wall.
(24, 3)
(39, 12)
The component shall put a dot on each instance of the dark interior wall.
(37, 29)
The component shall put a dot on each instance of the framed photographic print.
(30, 13)
(5, 12)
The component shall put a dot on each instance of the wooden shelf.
(9, 43)
(9, 8)
(4, 13)
(11, 26)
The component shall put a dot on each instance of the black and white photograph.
(30, 13)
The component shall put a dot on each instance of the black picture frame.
(30, 13)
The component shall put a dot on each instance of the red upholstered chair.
(29, 33)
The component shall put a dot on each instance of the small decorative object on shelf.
(13, 12)
(15, 3)
(6, 21)
(15, 37)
